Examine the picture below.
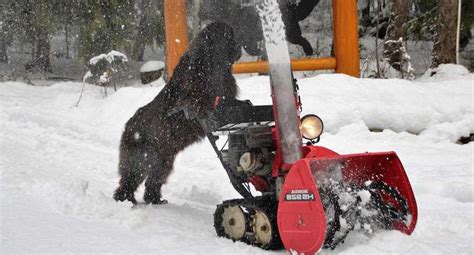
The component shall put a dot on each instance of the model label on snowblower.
(299, 195)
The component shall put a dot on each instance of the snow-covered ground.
(58, 166)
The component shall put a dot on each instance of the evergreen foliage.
(6, 29)
(150, 26)
(33, 22)
(95, 27)
(104, 25)
(99, 25)
(423, 17)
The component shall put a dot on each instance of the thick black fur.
(247, 25)
(154, 135)
(292, 14)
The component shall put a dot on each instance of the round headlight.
(311, 127)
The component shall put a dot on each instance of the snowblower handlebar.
(229, 114)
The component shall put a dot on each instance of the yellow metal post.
(346, 37)
(296, 65)
(176, 33)
(346, 41)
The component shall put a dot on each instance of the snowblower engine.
(251, 151)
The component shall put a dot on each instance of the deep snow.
(58, 165)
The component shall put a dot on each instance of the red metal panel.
(301, 217)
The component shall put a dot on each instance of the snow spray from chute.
(283, 93)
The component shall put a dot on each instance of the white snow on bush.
(59, 167)
(152, 65)
(97, 58)
(109, 57)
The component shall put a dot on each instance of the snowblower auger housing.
(310, 204)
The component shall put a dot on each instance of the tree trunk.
(366, 20)
(66, 29)
(3, 50)
(42, 51)
(379, 10)
(400, 18)
(444, 49)
(139, 44)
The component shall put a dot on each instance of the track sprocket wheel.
(265, 230)
(230, 222)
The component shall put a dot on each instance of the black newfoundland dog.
(157, 131)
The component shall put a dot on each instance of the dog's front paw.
(121, 195)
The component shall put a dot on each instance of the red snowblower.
(295, 193)
(310, 197)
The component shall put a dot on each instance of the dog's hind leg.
(156, 178)
(132, 173)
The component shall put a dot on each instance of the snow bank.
(59, 167)
(435, 108)
(447, 72)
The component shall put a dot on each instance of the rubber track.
(265, 204)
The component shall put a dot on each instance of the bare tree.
(444, 49)
(3, 48)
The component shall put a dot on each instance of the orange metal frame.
(346, 42)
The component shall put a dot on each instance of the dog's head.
(215, 46)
